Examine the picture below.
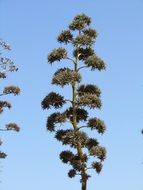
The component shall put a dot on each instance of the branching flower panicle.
(85, 152)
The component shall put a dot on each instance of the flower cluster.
(2, 75)
(91, 142)
(71, 137)
(90, 32)
(72, 173)
(97, 166)
(83, 40)
(54, 119)
(89, 100)
(79, 163)
(80, 22)
(4, 104)
(65, 76)
(98, 124)
(81, 114)
(98, 151)
(83, 53)
(53, 99)
(74, 160)
(57, 55)
(65, 37)
(11, 90)
(2, 155)
(95, 63)
(4, 45)
(12, 126)
(66, 156)
(88, 89)
(7, 64)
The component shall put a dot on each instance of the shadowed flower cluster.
(53, 99)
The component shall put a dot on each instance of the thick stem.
(79, 148)
(84, 181)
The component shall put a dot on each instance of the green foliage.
(81, 37)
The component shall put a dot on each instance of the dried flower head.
(83, 53)
(91, 142)
(57, 55)
(72, 173)
(53, 99)
(65, 37)
(95, 63)
(89, 100)
(13, 126)
(97, 166)
(80, 22)
(81, 114)
(88, 89)
(90, 32)
(2, 75)
(65, 76)
(4, 45)
(66, 156)
(2, 155)
(98, 151)
(54, 119)
(11, 90)
(70, 137)
(83, 40)
(4, 104)
(98, 124)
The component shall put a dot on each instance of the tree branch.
(3, 130)
(81, 68)
(68, 58)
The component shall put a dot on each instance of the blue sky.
(31, 27)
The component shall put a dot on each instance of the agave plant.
(6, 66)
(84, 153)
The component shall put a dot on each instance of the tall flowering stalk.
(84, 153)
(6, 66)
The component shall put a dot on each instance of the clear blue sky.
(31, 27)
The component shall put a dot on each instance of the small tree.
(6, 65)
(85, 152)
